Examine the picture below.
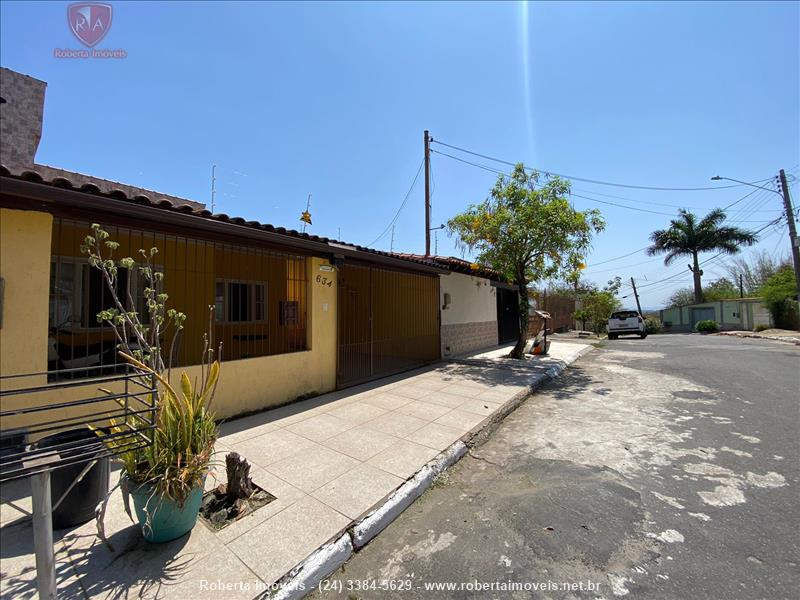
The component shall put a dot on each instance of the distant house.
(740, 314)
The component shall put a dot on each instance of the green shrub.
(761, 327)
(707, 326)
(652, 325)
(777, 292)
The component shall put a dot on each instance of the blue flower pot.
(162, 519)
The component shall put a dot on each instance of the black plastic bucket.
(78, 506)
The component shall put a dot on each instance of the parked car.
(626, 322)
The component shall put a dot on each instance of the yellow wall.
(255, 384)
(25, 267)
(247, 385)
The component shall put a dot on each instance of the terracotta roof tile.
(458, 265)
(199, 211)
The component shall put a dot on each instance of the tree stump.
(239, 483)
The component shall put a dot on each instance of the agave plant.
(181, 444)
(180, 441)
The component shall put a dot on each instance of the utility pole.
(636, 295)
(787, 204)
(436, 243)
(391, 244)
(427, 193)
(339, 235)
(741, 285)
(213, 186)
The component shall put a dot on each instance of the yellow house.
(297, 315)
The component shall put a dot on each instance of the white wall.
(472, 299)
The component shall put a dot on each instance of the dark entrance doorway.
(507, 315)
(388, 322)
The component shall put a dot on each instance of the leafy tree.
(528, 231)
(686, 236)
(582, 315)
(722, 289)
(754, 270)
(777, 291)
(600, 304)
(681, 297)
(569, 289)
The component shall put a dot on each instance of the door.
(388, 322)
(705, 313)
(507, 315)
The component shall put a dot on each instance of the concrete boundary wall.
(469, 313)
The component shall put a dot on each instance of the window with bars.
(259, 296)
(240, 301)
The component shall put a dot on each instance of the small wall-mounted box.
(447, 301)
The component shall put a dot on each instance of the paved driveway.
(657, 468)
(328, 460)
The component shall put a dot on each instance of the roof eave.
(51, 197)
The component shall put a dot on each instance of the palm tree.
(686, 236)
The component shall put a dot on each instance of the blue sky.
(332, 99)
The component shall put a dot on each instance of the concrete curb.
(306, 576)
(379, 519)
(755, 336)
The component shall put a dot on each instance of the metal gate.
(388, 322)
(507, 315)
(704, 313)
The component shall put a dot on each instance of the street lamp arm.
(718, 178)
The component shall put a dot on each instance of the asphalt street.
(658, 468)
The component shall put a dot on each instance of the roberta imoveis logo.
(89, 23)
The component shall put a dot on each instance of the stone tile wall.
(459, 338)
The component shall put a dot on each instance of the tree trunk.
(522, 335)
(698, 286)
(238, 470)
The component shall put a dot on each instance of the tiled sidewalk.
(328, 460)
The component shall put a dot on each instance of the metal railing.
(25, 452)
(31, 414)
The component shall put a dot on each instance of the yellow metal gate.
(388, 322)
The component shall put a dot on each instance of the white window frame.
(79, 307)
(251, 292)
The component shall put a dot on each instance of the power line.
(572, 193)
(706, 261)
(402, 205)
(499, 172)
(742, 198)
(619, 257)
(622, 267)
(654, 212)
(595, 181)
(480, 166)
(649, 202)
(746, 211)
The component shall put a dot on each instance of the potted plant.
(164, 478)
